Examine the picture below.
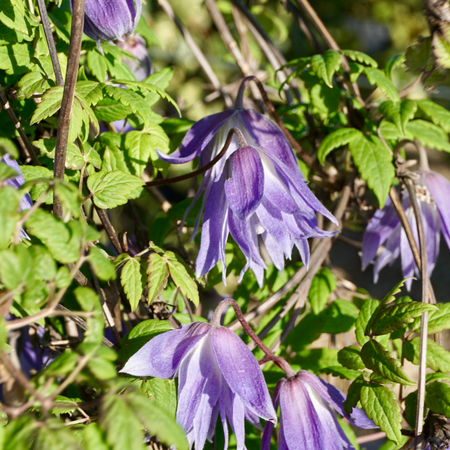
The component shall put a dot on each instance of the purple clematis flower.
(108, 20)
(255, 190)
(217, 373)
(307, 421)
(433, 192)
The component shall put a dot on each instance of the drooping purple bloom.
(384, 229)
(306, 420)
(217, 374)
(17, 182)
(108, 20)
(254, 190)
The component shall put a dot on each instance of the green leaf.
(337, 139)
(90, 303)
(144, 86)
(164, 392)
(32, 173)
(62, 364)
(378, 77)
(97, 64)
(9, 215)
(437, 376)
(181, 278)
(323, 284)
(339, 317)
(437, 320)
(374, 162)
(111, 189)
(429, 134)
(76, 121)
(438, 358)
(19, 432)
(341, 372)
(140, 335)
(395, 317)
(419, 56)
(367, 310)
(393, 63)
(120, 423)
(102, 265)
(133, 280)
(31, 83)
(129, 99)
(158, 273)
(441, 50)
(350, 357)
(435, 113)
(438, 398)
(12, 14)
(94, 438)
(50, 104)
(65, 405)
(62, 240)
(158, 421)
(383, 363)
(326, 65)
(354, 393)
(399, 113)
(381, 405)
(359, 57)
(16, 59)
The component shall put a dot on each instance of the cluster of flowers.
(217, 374)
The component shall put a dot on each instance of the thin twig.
(195, 49)
(110, 230)
(274, 56)
(315, 264)
(230, 42)
(311, 14)
(68, 96)
(50, 42)
(280, 362)
(31, 150)
(106, 311)
(424, 319)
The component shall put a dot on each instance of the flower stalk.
(68, 96)
(424, 319)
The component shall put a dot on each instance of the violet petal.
(197, 138)
(161, 356)
(242, 372)
(244, 189)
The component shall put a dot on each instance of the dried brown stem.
(195, 49)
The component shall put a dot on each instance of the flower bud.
(108, 20)
(141, 67)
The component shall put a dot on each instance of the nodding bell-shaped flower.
(385, 229)
(306, 419)
(141, 67)
(256, 189)
(108, 20)
(217, 374)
